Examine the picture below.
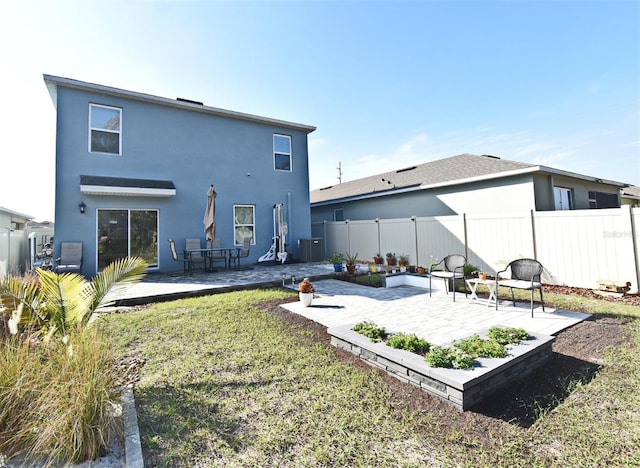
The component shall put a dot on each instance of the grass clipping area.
(227, 383)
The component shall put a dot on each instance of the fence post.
(533, 234)
(634, 245)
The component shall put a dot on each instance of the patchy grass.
(228, 383)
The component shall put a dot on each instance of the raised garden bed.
(460, 388)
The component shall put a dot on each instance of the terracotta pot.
(391, 261)
(378, 260)
(421, 270)
(351, 269)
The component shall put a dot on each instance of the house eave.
(54, 81)
(126, 191)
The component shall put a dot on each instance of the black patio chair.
(453, 269)
(526, 273)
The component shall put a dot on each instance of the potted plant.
(351, 263)
(305, 292)
(391, 258)
(336, 260)
(403, 260)
(420, 270)
(377, 259)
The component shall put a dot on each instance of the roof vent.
(405, 169)
(490, 156)
(327, 188)
(190, 101)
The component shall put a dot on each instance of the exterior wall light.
(82, 207)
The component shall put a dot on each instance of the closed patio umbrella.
(210, 215)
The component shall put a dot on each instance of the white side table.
(473, 285)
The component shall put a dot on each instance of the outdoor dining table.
(210, 253)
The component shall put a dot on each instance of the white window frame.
(281, 153)
(92, 129)
(338, 213)
(237, 225)
(557, 201)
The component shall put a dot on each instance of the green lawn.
(227, 383)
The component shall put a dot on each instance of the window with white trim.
(105, 125)
(127, 233)
(244, 223)
(562, 198)
(282, 152)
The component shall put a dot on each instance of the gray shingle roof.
(442, 171)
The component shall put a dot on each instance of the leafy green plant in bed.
(507, 336)
(441, 356)
(370, 330)
(478, 347)
(408, 342)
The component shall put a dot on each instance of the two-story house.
(133, 170)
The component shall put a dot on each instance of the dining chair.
(216, 253)
(236, 254)
(192, 246)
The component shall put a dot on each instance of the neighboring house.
(14, 248)
(630, 196)
(462, 184)
(133, 170)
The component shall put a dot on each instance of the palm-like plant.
(59, 304)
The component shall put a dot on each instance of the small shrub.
(306, 286)
(408, 342)
(477, 347)
(440, 356)
(370, 330)
(507, 336)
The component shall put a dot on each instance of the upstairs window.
(562, 197)
(282, 153)
(338, 214)
(104, 129)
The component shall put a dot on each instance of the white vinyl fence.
(577, 248)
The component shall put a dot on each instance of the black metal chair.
(453, 269)
(526, 273)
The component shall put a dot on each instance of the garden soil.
(577, 355)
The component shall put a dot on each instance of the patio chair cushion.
(519, 284)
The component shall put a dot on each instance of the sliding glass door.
(127, 233)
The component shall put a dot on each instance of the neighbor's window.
(338, 215)
(104, 129)
(127, 233)
(562, 198)
(244, 223)
(603, 200)
(282, 152)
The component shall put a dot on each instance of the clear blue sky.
(387, 84)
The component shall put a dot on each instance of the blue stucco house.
(133, 170)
